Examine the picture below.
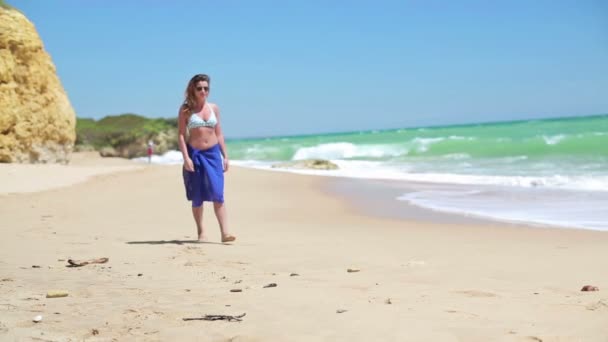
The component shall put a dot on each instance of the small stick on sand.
(79, 263)
(217, 318)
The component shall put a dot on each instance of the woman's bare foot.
(228, 238)
(202, 238)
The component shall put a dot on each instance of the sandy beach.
(415, 280)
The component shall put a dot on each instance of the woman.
(205, 157)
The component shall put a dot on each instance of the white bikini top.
(196, 120)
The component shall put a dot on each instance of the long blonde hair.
(190, 93)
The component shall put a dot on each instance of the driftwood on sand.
(80, 263)
(228, 318)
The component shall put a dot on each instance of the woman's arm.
(220, 136)
(181, 138)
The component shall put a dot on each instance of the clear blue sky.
(325, 66)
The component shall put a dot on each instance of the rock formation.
(313, 164)
(163, 142)
(37, 122)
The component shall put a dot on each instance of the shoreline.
(416, 280)
(84, 166)
(378, 198)
(384, 202)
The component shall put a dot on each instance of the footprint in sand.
(462, 312)
(194, 249)
(602, 304)
(142, 314)
(416, 263)
(476, 293)
(194, 263)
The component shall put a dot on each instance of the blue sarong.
(206, 183)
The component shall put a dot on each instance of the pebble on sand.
(590, 288)
(56, 294)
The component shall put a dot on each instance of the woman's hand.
(188, 165)
(226, 164)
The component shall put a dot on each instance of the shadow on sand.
(173, 242)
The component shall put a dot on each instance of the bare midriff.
(202, 138)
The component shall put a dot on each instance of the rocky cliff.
(37, 122)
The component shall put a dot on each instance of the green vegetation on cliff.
(126, 133)
(3, 4)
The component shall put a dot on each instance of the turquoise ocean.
(549, 172)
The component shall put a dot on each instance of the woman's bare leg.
(220, 214)
(197, 213)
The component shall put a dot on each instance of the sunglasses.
(201, 88)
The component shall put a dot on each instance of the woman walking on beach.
(201, 142)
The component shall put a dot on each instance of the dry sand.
(416, 281)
